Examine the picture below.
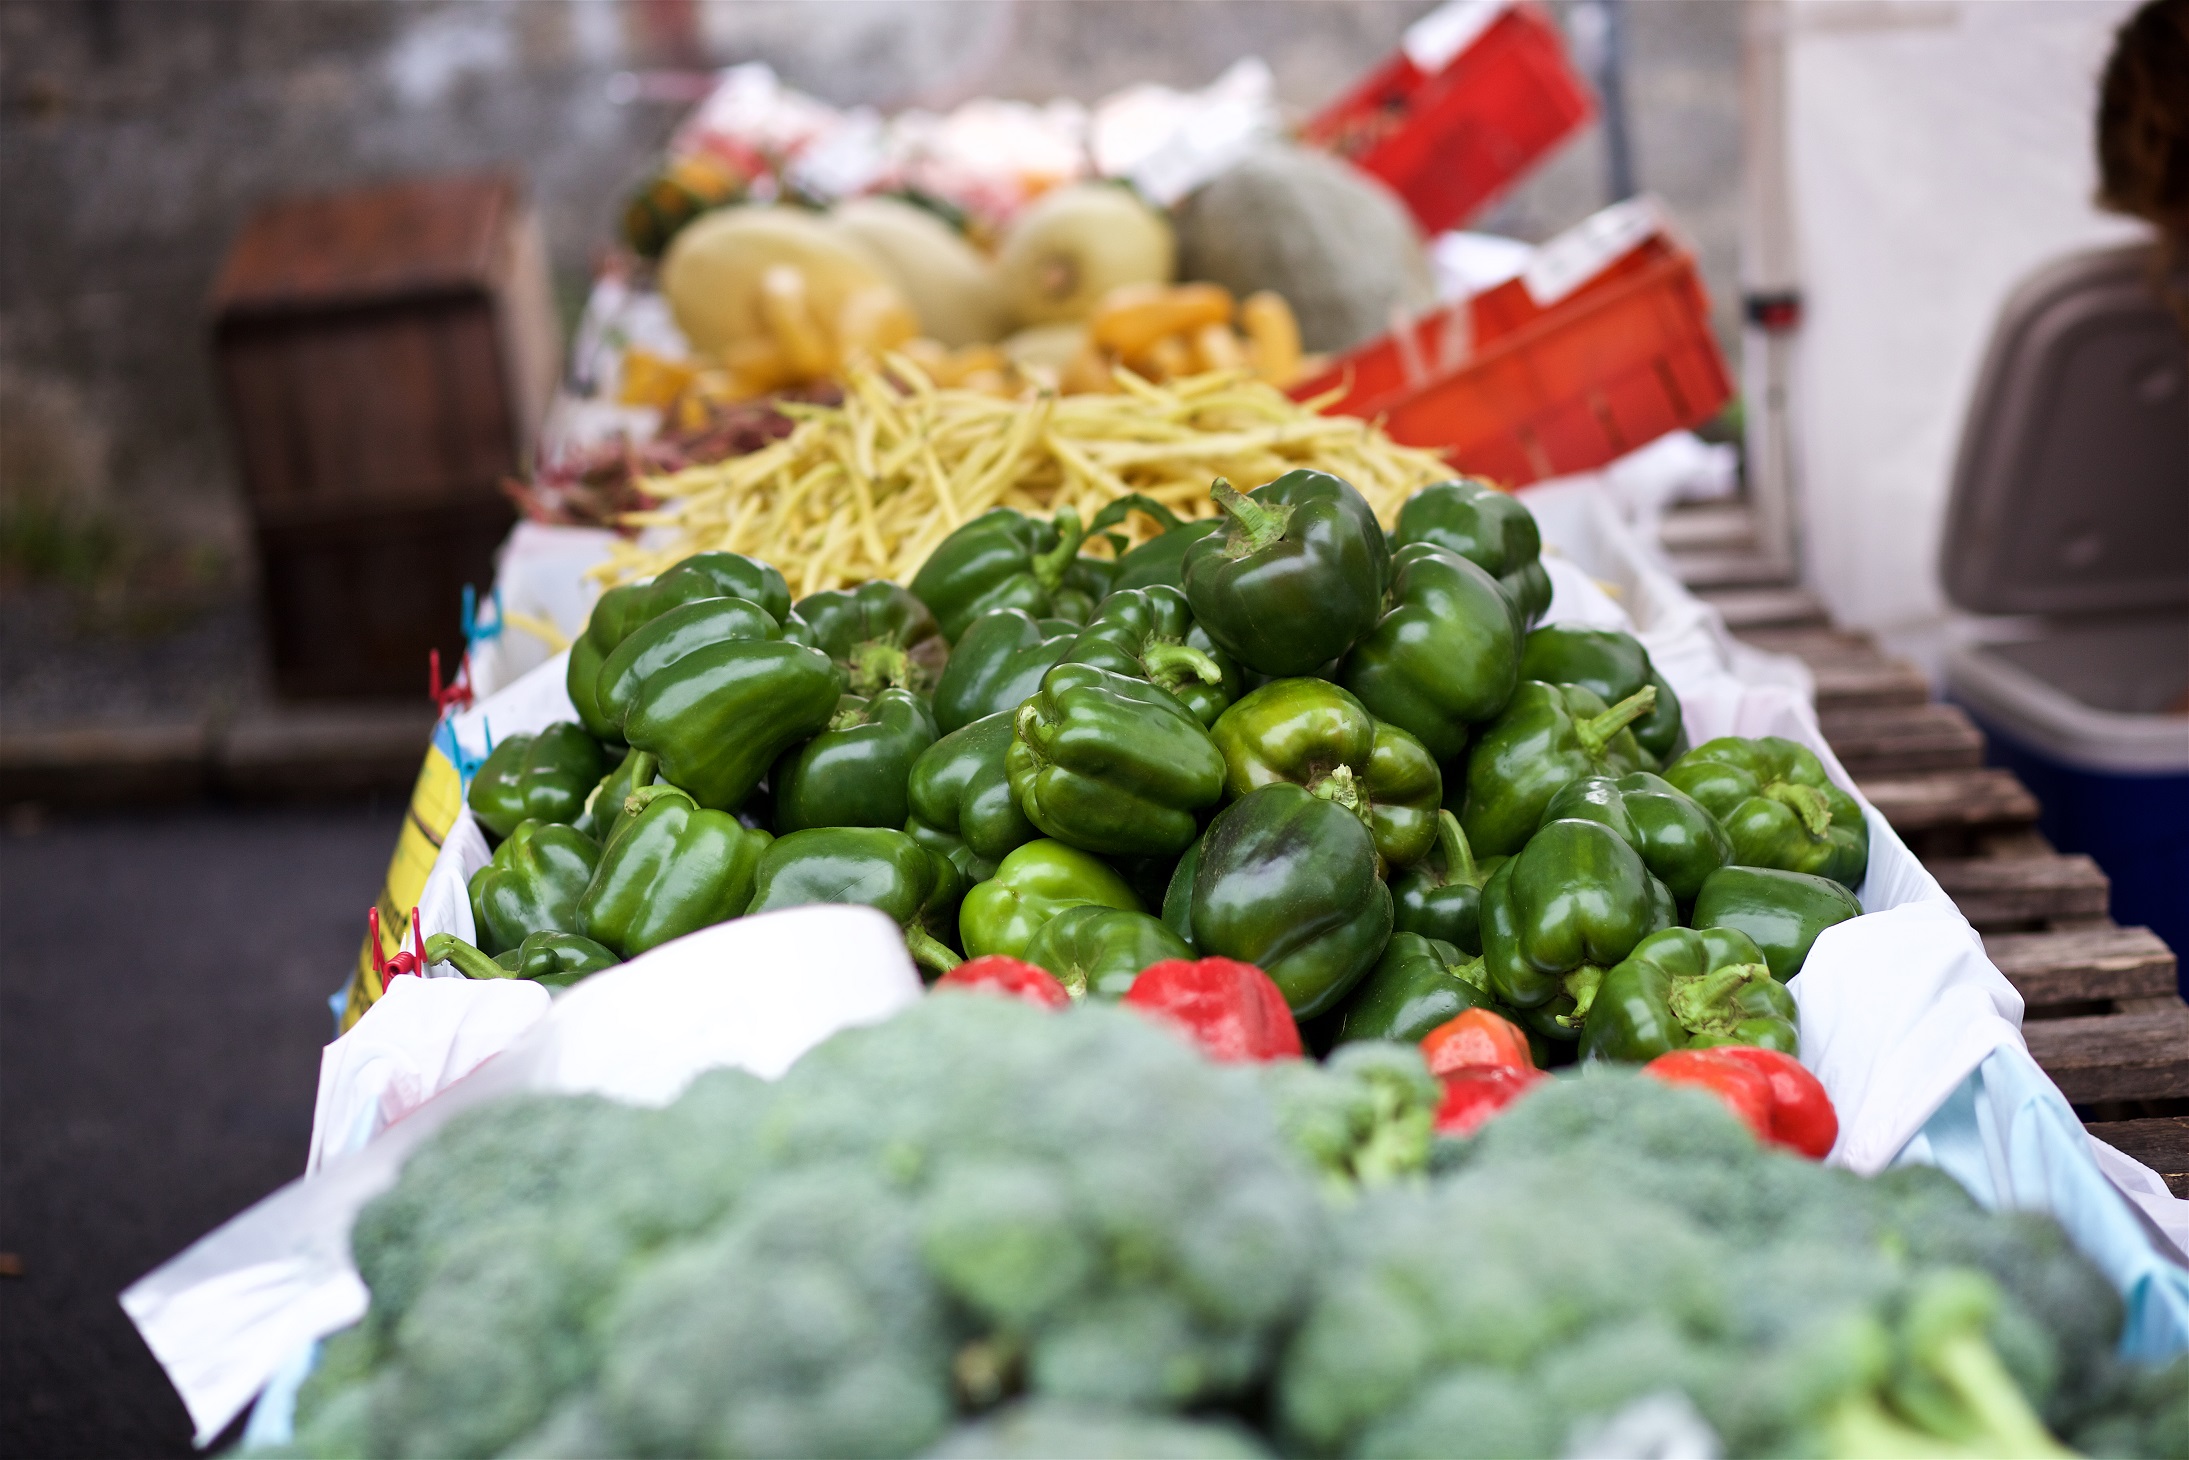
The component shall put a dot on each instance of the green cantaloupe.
(949, 285)
(1075, 244)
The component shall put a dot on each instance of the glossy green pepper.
(854, 773)
(873, 866)
(1777, 806)
(1680, 989)
(621, 611)
(958, 799)
(1111, 764)
(719, 575)
(1161, 560)
(879, 634)
(1548, 736)
(1440, 896)
(1781, 912)
(1286, 881)
(604, 811)
(718, 718)
(1296, 576)
(672, 869)
(1558, 916)
(533, 884)
(614, 616)
(1444, 657)
(1615, 665)
(1313, 734)
(998, 662)
(543, 777)
(1149, 633)
(557, 960)
(1101, 950)
(1178, 894)
(1680, 842)
(668, 638)
(1032, 885)
(1418, 984)
(1487, 527)
(1001, 559)
(1087, 582)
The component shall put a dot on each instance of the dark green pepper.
(604, 811)
(668, 638)
(621, 611)
(614, 616)
(1149, 633)
(1555, 918)
(1178, 895)
(557, 960)
(1487, 527)
(1615, 665)
(1001, 559)
(1441, 895)
(543, 777)
(1680, 842)
(533, 884)
(1111, 764)
(1445, 657)
(1032, 885)
(1313, 734)
(1777, 806)
(1548, 736)
(879, 634)
(1682, 989)
(1161, 560)
(1086, 583)
(998, 662)
(1286, 881)
(1781, 912)
(672, 869)
(1296, 576)
(854, 773)
(1418, 984)
(869, 865)
(718, 717)
(958, 799)
(1101, 950)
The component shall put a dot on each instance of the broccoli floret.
(1474, 1414)
(2135, 1410)
(1052, 1430)
(1366, 1117)
(575, 1431)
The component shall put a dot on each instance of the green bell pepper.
(667, 638)
(621, 611)
(1680, 842)
(1445, 656)
(719, 575)
(1032, 885)
(1295, 577)
(958, 799)
(879, 634)
(1286, 881)
(997, 663)
(1549, 735)
(1149, 633)
(1418, 984)
(1161, 560)
(1615, 665)
(1555, 918)
(533, 884)
(557, 960)
(603, 811)
(1781, 912)
(1111, 764)
(672, 869)
(854, 773)
(614, 616)
(1087, 581)
(1778, 806)
(1440, 896)
(1101, 950)
(543, 777)
(1681, 988)
(1313, 734)
(873, 866)
(1178, 894)
(1487, 527)
(718, 718)
(1001, 559)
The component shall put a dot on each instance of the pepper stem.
(1262, 525)
(1699, 1003)
(469, 961)
(929, 952)
(642, 797)
(1050, 567)
(1596, 732)
(1474, 972)
(1582, 984)
(1171, 665)
(1340, 786)
(1807, 802)
(878, 664)
(1459, 857)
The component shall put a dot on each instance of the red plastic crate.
(1540, 391)
(1451, 143)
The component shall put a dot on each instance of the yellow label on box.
(435, 802)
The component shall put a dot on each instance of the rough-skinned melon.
(949, 285)
(1075, 244)
(713, 271)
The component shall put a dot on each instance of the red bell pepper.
(1772, 1094)
(1472, 1038)
(1231, 1009)
(1474, 1093)
(1009, 977)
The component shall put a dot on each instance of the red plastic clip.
(410, 960)
(457, 694)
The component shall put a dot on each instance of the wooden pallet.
(2104, 1016)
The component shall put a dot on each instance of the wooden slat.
(2161, 1143)
(1720, 526)
(1815, 646)
(2141, 1056)
(1965, 799)
(2002, 892)
(1755, 608)
(1900, 739)
(2077, 965)
(1719, 568)
(1869, 684)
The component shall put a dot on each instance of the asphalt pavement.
(163, 1002)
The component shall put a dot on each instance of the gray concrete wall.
(135, 135)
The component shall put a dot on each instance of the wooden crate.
(385, 356)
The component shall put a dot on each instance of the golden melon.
(950, 286)
(1075, 244)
